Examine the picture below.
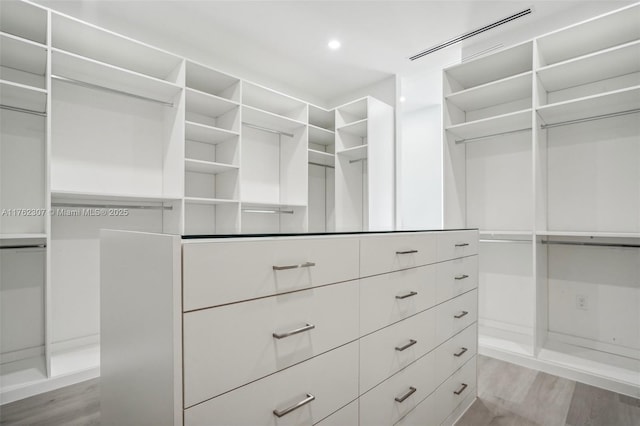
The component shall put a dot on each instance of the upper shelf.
(24, 20)
(96, 197)
(602, 65)
(591, 106)
(324, 158)
(87, 40)
(20, 96)
(352, 112)
(323, 118)
(354, 153)
(207, 134)
(321, 136)
(612, 29)
(81, 69)
(356, 128)
(497, 66)
(213, 82)
(209, 167)
(23, 55)
(207, 104)
(269, 120)
(274, 102)
(515, 121)
(494, 93)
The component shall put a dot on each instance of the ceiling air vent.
(470, 34)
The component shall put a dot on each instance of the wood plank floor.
(509, 395)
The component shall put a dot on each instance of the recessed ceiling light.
(334, 45)
(402, 99)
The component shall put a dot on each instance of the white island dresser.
(329, 329)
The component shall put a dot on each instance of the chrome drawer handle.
(461, 277)
(410, 294)
(302, 265)
(308, 399)
(406, 395)
(462, 351)
(292, 332)
(462, 388)
(407, 252)
(406, 346)
(462, 244)
(460, 315)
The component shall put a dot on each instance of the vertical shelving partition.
(322, 162)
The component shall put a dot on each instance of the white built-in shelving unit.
(542, 154)
(100, 131)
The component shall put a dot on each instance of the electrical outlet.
(582, 302)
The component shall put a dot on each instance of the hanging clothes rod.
(108, 89)
(112, 206)
(587, 119)
(590, 244)
(357, 161)
(504, 240)
(23, 110)
(493, 135)
(266, 129)
(269, 211)
(25, 246)
(322, 165)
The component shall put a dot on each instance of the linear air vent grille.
(470, 34)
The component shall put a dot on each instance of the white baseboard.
(14, 356)
(595, 345)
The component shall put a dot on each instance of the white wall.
(384, 90)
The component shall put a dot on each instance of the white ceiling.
(284, 43)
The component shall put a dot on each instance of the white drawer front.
(455, 390)
(388, 298)
(455, 277)
(455, 315)
(423, 415)
(455, 352)
(228, 346)
(331, 378)
(380, 254)
(346, 416)
(454, 244)
(222, 272)
(382, 406)
(387, 351)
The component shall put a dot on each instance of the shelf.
(86, 40)
(602, 65)
(21, 96)
(207, 134)
(495, 93)
(589, 234)
(102, 197)
(321, 136)
(35, 236)
(496, 66)
(208, 201)
(591, 106)
(615, 28)
(262, 207)
(23, 372)
(24, 20)
(72, 66)
(319, 157)
(208, 105)
(274, 102)
(199, 166)
(355, 153)
(352, 112)
(356, 128)
(512, 122)
(23, 55)
(275, 122)
(519, 233)
(322, 118)
(207, 80)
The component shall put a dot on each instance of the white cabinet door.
(228, 346)
(318, 387)
(386, 253)
(454, 244)
(346, 416)
(455, 352)
(455, 390)
(221, 272)
(455, 315)
(455, 277)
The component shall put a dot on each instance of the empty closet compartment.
(321, 156)
(489, 95)
(273, 103)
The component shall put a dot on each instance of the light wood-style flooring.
(509, 395)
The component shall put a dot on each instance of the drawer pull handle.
(460, 315)
(406, 395)
(407, 252)
(410, 294)
(462, 351)
(462, 244)
(292, 332)
(462, 388)
(308, 399)
(302, 265)
(406, 346)
(461, 277)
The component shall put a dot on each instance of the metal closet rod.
(586, 119)
(108, 89)
(322, 165)
(270, 211)
(23, 110)
(112, 206)
(266, 129)
(357, 161)
(493, 135)
(503, 240)
(590, 244)
(24, 246)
